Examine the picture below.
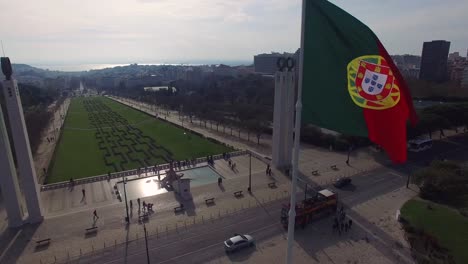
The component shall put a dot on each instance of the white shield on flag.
(373, 83)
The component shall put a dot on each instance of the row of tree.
(443, 182)
(246, 103)
(440, 117)
(37, 115)
(238, 104)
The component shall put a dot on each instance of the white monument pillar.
(8, 179)
(21, 144)
(283, 116)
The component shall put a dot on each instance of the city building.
(456, 65)
(453, 56)
(224, 70)
(434, 61)
(464, 80)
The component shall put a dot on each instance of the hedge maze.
(101, 135)
(123, 146)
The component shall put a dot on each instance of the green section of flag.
(332, 39)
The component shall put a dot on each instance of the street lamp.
(250, 172)
(124, 182)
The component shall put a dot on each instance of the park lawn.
(446, 224)
(78, 154)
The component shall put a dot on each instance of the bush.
(443, 181)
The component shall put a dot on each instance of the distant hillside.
(28, 70)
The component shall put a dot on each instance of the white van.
(419, 144)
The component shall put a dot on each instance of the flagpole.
(297, 136)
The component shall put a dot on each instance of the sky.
(184, 31)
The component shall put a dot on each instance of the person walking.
(83, 192)
(95, 216)
(267, 172)
(138, 201)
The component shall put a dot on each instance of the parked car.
(238, 242)
(342, 182)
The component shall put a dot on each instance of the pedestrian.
(350, 223)
(95, 216)
(267, 172)
(131, 205)
(84, 192)
(229, 162)
(138, 201)
(144, 206)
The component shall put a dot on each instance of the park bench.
(333, 167)
(43, 242)
(315, 172)
(91, 229)
(209, 200)
(238, 193)
(178, 208)
(272, 184)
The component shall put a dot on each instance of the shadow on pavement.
(23, 237)
(242, 255)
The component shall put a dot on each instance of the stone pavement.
(45, 150)
(68, 215)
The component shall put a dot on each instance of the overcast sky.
(123, 31)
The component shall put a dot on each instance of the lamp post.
(124, 182)
(250, 172)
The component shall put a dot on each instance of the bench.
(238, 193)
(91, 229)
(333, 167)
(315, 172)
(43, 242)
(178, 209)
(272, 185)
(209, 201)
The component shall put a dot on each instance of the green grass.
(78, 154)
(446, 224)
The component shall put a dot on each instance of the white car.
(237, 242)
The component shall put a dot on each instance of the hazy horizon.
(56, 32)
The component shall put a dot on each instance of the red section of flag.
(387, 128)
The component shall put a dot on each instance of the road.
(199, 243)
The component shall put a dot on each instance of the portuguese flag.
(350, 83)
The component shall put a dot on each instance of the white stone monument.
(8, 179)
(21, 144)
(283, 114)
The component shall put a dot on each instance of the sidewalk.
(45, 150)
